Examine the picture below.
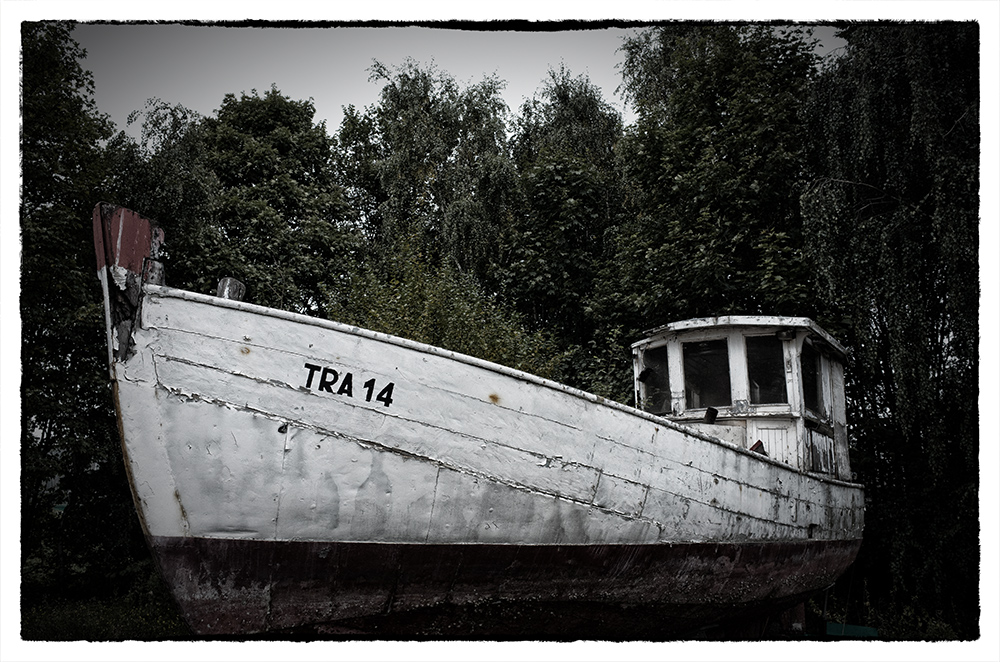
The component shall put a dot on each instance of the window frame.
(786, 378)
(727, 340)
(824, 385)
(739, 374)
(642, 395)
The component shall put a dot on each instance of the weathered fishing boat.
(292, 472)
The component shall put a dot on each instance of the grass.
(147, 616)
(101, 620)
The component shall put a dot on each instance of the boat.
(298, 475)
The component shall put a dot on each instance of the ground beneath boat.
(561, 622)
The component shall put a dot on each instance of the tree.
(279, 221)
(69, 448)
(166, 173)
(429, 173)
(564, 149)
(569, 198)
(429, 161)
(554, 245)
(249, 193)
(892, 226)
(715, 164)
(167, 177)
(442, 305)
(570, 115)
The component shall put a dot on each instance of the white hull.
(465, 452)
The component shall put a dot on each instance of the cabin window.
(812, 388)
(766, 370)
(706, 374)
(656, 384)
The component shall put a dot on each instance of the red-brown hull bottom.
(477, 591)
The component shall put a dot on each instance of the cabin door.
(780, 441)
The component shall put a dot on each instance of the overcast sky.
(196, 65)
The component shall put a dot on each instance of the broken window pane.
(706, 374)
(811, 384)
(655, 382)
(766, 370)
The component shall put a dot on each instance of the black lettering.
(347, 386)
(325, 383)
(312, 371)
(328, 378)
(385, 395)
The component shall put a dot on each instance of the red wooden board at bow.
(121, 237)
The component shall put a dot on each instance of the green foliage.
(555, 246)
(602, 364)
(146, 613)
(892, 225)
(714, 163)
(279, 220)
(165, 174)
(69, 444)
(429, 160)
(551, 247)
(567, 115)
(444, 307)
(249, 193)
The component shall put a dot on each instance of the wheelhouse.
(772, 385)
